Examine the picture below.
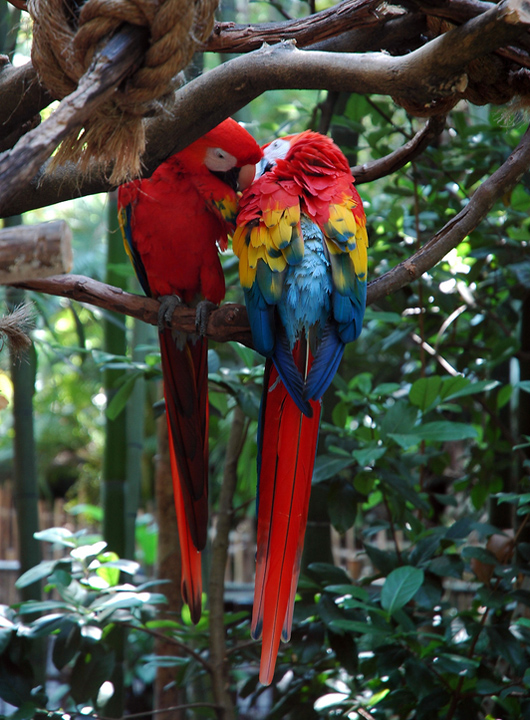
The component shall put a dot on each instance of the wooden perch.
(28, 252)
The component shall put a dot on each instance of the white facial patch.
(218, 160)
(277, 150)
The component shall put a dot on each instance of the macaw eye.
(277, 150)
(218, 160)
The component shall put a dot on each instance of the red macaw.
(173, 224)
(302, 247)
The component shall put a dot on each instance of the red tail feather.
(288, 447)
(185, 373)
(191, 570)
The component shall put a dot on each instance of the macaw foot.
(168, 304)
(203, 311)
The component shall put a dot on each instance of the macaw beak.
(246, 176)
(262, 167)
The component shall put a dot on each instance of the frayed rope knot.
(66, 35)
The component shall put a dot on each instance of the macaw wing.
(125, 219)
(346, 244)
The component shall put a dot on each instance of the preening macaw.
(173, 224)
(302, 247)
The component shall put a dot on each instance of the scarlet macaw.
(173, 224)
(302, 247)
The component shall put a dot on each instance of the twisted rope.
(66, 36)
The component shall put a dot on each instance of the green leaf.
(400, 418)
(342, 506)
(37, 573)
(90, 671)
(504, 395)
(108, 570)
(369, 455)
(444, 431)
(400, 587)
(424, 392)
(473, 389)
(119, 399)
(327, 466)
(59, 535)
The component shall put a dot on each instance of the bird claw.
(202, 313)
(168, 305)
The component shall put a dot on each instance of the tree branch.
(231, 38)
(399, 158)
(432, 71)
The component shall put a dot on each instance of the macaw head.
(228, 151)
(302, 151)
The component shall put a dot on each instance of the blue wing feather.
(325, 363)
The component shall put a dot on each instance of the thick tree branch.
(230, 321)
(370, 171)
(432, 71)
(232, 38)
(110, 67)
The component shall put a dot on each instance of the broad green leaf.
(90, 671)
(85, 551)
(119, 399)
(504, 395)
(359, 627)
(59, 535)
(108, 571)
(342, 506)
(354, 590)
(34, 574)
(400, 587)
(369, 455)
(473, 388)
(400, 418)
(444, 431)
(424, 391)
(327, 466)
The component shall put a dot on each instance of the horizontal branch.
(370, 171)
(231, 38)
(230, 321)
(433, 70)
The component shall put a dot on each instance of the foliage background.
(425, 437)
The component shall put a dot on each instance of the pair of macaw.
(302, 247)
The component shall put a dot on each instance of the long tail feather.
(191, 568)
(288, 440)
(185, 373)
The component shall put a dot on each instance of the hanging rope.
(66, 34)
